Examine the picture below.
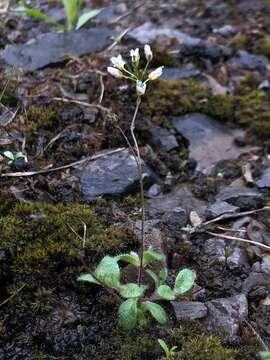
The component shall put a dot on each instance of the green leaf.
(153, 276)
(151, 255)
(9, 155)
(127, 314)
(87, 277)
(265, 355)
(163, 274)
(184, 281)
(72, 8)
(131, 258)
(132, 290)
(165, 292)
(35, 13)
(108, 272)
(165, 348)
(19, 155)
(156, 311)
(84, 18)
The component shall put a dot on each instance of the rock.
(162, 137)
(148, 32)
(219, 9)
(186, 72)
(266, 264)
(214, 252)
(204, 49)
(110, 13)
(255, 280)
(181, 196)
(190, 310)
(209, 140)
(175, 219)
(248, 61)
(226, 315)
(220, 208)
(153, 191)
(226, 31)
(264, 181)
(244, 198)
(50, 48)
(112, 175)
(238, 260)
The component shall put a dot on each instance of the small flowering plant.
(134, 73)
(136, 301)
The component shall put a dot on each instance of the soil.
(63, 113)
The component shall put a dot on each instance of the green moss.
(264, 47)
(44, 118)
(221, 107)
(162, 58)
(174, 97)
(239, 41)
(40, 243)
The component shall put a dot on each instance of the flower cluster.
(121, 69)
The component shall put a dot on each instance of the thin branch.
(256, 334)
(12, 296)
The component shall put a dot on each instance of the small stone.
(153, 191)
(248, 61)
(264, 181)
(190, 310)
(175, 219)
(238, 260)
(221, 208)
(162, 137)
(242, 197)
(226, 31)
(255, 280)
(186, 72)
(214, 252)
(226, 315)
(204, 49)
(112, 175)
(266, 264)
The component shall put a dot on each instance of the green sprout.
(169, 352)
(135, 303)
(11, 157)
(265, 355)
(74, 20)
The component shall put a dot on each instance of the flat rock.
(112, 175)
(180, 197)
(148, 32)
(226, 31)
(226, 315)
(264, 181)
(162, 137)
(209, 141)
(220, 208)
(248, 61)
(242, 197)
(254, 281)
(185, 72)
(238, 260)
(50, 48)
(207, 50)
(191, 310)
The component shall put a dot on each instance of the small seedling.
(72, 12)
(135, 306)
(11, 157)
(169, 352)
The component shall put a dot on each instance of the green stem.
(139, 165)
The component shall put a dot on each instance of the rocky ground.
(204, 137)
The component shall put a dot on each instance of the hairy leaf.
(108, 272)
(132, 290)
(163, 274)
(265, 355)
(84, 18)
(127, 314)
(153, 276)
(165, 292)
(87, 277)
(131, 258)
(151, 255)
(156, 311)
(184, 281)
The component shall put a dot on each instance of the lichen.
(264, 46)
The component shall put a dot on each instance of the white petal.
(114, 72)
(155, 74)
(148, 52)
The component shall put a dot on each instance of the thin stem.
(139, 165)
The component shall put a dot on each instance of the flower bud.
(135, 56)
(155, 74)
(118, 62)
(114, 72)
(140, 88)
(148, 52)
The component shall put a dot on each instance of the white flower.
(135, 56)
(148, 52)
(155, 74)
(114, 72)
(140, 88)
(118, 62)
